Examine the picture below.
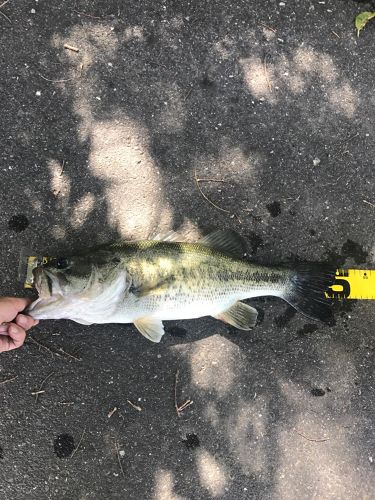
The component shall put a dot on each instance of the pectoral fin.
(154, 288)
(239, 315)
(150, 328)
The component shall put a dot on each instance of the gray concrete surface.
(277, 100)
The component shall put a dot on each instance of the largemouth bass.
(146, 282)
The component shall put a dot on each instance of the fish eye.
(61, 263)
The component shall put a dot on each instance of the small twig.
(86, 15)
(71, 47)
(175, 392)
(340, 144)
(8, 380)
(60, 352)
(112, 412)
(41, 345)
(266, 73)
(239, 220)
(268, 27)
(314, 440)
(68, 354)
(345, 141)
(119, 458)
(334, 32)
(40, 390)
(205, 197)
(210, 180)
(188, 93)
(183, 406)
(369, 203)
(152, 63)
(134, 406)
(4, 3)
(62, 168)
(6, 17)
(56, 81)
(35, 393)
(79, 443)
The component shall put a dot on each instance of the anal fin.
(150, 328)
(239, 315)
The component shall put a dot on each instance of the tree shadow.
(157, 96)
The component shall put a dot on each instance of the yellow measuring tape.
(352, 284)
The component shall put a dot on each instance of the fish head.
(67, 285)
(62, 276)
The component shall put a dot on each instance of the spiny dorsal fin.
(168, 236)
(151, 328)
(121, 244)
(225, 241)
(239, 315)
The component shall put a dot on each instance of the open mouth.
(43, 282)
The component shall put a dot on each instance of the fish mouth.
(44, 282)
(47, 286)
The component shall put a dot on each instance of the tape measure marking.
(353, 284)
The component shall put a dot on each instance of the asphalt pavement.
(124, 119)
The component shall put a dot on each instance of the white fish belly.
(188, 307)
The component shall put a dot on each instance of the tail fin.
(306, 288)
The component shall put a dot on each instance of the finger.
(16, 336)
(11, 306)
(26, 322)
(18, 303)
(4, 329)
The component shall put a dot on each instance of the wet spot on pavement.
(274, 208)
(306, 329)
(191, 441)
(355, 251)
(349, 250)
(206, 82)
(317, 392)
(18, 223)
(64, 445)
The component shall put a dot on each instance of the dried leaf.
(362, 19)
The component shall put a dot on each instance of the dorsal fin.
(225, 241)
(168, 236)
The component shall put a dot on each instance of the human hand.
(13, 326)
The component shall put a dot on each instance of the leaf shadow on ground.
(159, 96)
